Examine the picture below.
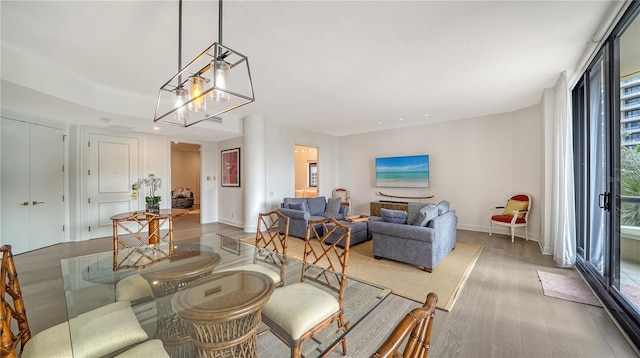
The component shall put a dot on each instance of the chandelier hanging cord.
(180, 42)
(220, 22)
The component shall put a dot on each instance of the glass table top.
(90, 282)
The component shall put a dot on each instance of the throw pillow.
(333, 205)
(298, 206)
(515, 205)
(443, 207)
(393, 216)
(425, 215)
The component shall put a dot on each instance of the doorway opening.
(306, 171)
(185, 178)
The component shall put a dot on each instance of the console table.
(374, 209)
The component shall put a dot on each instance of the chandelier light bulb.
(182, 96)
(219, 80)
(197, 87)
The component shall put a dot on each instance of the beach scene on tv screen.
(403, 172)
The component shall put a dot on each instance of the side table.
(223, 312)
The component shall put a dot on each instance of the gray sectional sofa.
(301, 210)
(425, 243)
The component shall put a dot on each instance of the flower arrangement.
(153, 183)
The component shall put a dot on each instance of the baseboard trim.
(499, 230)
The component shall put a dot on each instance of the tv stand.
(375, 206)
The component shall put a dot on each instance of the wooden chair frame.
(272, 236)
(326, 265)
(145, 222)
(11, 310)
(415, 328)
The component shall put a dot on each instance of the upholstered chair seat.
(306, 307)
(275, 276)
(96, 333)
(133, 288)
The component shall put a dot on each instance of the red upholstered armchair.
(514, 214)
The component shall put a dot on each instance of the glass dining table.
(167, 294)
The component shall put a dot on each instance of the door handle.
(24, 203)
(604, 201)
(37, 202)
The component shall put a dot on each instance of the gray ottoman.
(359, 233)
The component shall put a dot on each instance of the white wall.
(474, 164)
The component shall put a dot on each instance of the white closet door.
(32, 185)
(16, 205)
(47, 186)
(113, 163)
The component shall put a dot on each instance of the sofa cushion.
(298, 206)
(333, 205)
(393, 216)
(443, 207)
(289, 201)
(425, 214)
(316, 205)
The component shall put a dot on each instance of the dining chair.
(297, 312)
(104, 330)
(414, 329)
(515, 214)
(272, 236)
(140, 229)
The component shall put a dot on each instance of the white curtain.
(563, 205)
(597, 165)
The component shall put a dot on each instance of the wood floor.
(501, 311)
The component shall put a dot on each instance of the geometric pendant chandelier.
(215, 82)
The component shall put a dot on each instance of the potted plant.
(152, 201)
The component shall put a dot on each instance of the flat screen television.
(403, 172)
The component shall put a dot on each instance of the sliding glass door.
(606, 114)
(626, 275)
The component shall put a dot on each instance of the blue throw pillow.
(425, 215)
(393, 216)
(298, 206)
(443, 207)
(333, 206)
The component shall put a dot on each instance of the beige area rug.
(568, 288)
(408, 281)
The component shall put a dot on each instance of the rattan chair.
(140, 230)
(297, 312)
(415, 329)
(105, 329)
(272, 236)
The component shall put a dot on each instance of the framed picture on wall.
(230, 167)
(313, 174)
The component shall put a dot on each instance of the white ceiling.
(338, 67)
